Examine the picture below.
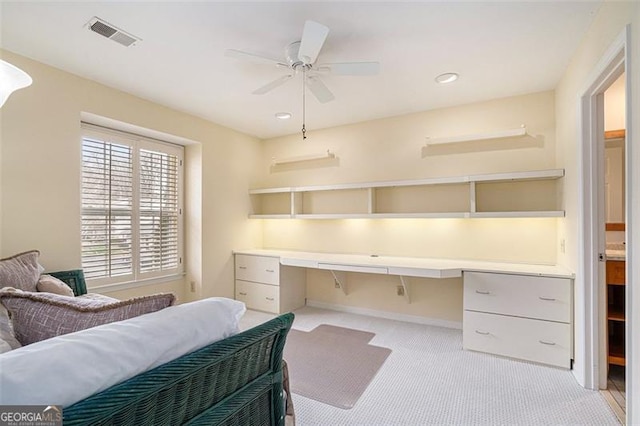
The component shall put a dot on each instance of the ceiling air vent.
(107, 30)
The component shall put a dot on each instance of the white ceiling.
(499, 48)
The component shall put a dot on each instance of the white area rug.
(429, 380)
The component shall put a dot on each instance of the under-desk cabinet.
(265, 285)
(519, 316)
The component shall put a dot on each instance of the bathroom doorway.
(614, 285)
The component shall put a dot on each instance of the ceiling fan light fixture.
(447, 77)
(12, 78)
(283, 115)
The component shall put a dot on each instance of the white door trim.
(589, 312)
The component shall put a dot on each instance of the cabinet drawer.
(260, 269)
(616, 273)
(261, 297)
(533, 340)
(519, 295)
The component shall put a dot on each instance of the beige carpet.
(332, 364)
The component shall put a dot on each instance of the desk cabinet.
(519, 316)
(265, 285)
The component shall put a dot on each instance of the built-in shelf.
(498, 195)
(616, 330)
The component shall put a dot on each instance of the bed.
(234, 381)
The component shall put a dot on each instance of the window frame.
(137, 143)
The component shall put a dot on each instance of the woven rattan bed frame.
(235, 381)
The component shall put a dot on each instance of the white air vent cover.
(107, 30)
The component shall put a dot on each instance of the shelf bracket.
(340, 280)
(405, 285)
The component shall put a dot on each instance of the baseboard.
(385, 314)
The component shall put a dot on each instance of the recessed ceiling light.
(448, 77)
(283, 115)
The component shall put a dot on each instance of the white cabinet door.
(519, 295)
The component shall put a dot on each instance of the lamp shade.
(11, 79)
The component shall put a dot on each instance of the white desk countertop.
(405, 266)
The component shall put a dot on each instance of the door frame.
(591, 298)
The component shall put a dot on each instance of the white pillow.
(66, 369)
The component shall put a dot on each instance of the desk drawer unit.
(518, 295)
(520, 316)
(259, 269)
(529, 339)
(265, 285)
(262, 297)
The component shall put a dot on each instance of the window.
(131, 207)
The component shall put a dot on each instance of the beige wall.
(40, 176)
(391, 149)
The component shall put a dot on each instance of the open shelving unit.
(516, 194)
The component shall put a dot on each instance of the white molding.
(108, 288)
(588, 325)
(387, 315)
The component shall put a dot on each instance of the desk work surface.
(405, 266)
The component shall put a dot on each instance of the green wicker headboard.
(74, 279)
(232, 382)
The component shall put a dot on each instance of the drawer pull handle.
(483, 292)
(242, 294)
(270, 299)
(270, 270)
(547, 343)
(242, 267)
(548, 299)
(484, 333)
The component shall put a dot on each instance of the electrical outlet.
(400, 290)
(562, 246)
(192, 285)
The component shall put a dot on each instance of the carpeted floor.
(429, 380)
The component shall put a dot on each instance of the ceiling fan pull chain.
(304, 89)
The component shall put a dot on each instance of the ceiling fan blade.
(270, 86)
(353, 68)
(319, 90)
(253, 57)
(313, 37)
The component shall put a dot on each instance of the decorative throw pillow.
(50, 284)
(21, 271)
(39, 316)
(7, 339)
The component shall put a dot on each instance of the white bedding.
(66, 369)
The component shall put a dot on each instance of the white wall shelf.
(497, 195)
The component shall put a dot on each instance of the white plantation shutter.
(159, 211)
(107, 207)
(131, 207)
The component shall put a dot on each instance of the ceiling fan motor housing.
(291, 53)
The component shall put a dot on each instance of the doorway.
(604, 301)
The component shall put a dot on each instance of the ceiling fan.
(301, 56)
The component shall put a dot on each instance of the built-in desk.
(404, 266)
(513, 309)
